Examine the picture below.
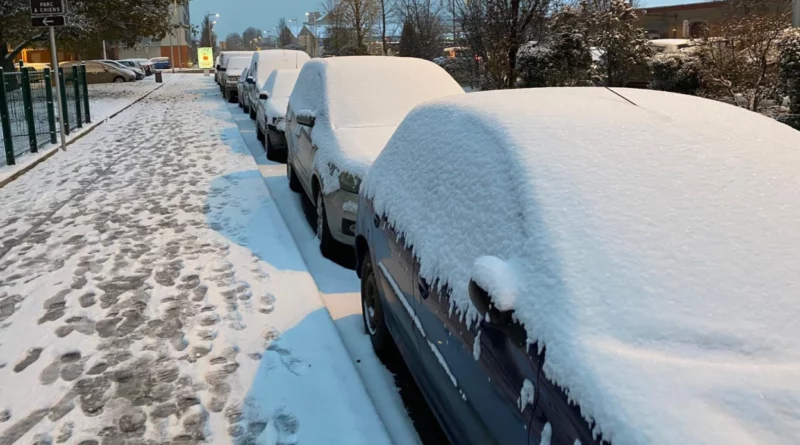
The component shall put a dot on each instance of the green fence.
(30, 117)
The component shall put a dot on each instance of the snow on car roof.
(653, 248)
(272, 59)
(237, 63)
(364, 95)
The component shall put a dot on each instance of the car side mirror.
(495, 318)
(263, 96)
(308, 121)
(250, 80)
(222, 70)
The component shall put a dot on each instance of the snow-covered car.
(580, 265)
(216, 70)
(222, 62)
(271, 111)
(230, 77)
(261, 66)
(340, 115)
(240, 87)
(138, 73)
(99, 72)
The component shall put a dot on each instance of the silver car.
(353, 105)
(240, 87)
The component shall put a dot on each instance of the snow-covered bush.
(624, 46)
(789, 47)
(563, 60)
(676, 72)
(461, 68)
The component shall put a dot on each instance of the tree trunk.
(383, 27)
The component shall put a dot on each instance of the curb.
(56, 148)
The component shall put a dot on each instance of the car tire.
(119, 79)
(252, 113)
(241, 105)
(294, 181)
(372, 311)
(259, 134)
(327, 244)
(246, 108)
(271, 155)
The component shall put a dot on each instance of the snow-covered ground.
(340, 290)
(150, 291)
(105, 100)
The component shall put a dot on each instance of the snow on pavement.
(151, 292)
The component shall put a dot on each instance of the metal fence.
(30, 117)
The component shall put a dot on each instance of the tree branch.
(18, 49)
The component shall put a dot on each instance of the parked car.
(161, 63)
(261, 66)
(98, 72)
(216, 70)
(138, 73)
(230, 77)
(142, 64)
(340, 115)
(222, 60)
(240, 87)
(562, 284)
(271, 112)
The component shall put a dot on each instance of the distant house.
(692, 20)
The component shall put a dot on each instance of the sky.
(237, 15)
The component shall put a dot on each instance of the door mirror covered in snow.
(492, 316)
(263, 96)
(308, 121)
(250, 80)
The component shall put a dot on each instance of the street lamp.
(208, 17)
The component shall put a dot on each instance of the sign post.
(205, 59)
(49, 14)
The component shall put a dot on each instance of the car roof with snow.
(272, 59)
(359, 101)
(281, 82)
(649, 241)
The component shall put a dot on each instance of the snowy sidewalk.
(151, 292)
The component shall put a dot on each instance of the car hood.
(276, 108)
(234, 72)
(351, 149)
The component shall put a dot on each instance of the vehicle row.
(556, 265)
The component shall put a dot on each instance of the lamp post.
(210, 41)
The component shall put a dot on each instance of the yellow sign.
(205, 58)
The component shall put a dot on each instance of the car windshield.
(237, 63)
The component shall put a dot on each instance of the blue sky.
(236, 15)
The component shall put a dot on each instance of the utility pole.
(54, 59)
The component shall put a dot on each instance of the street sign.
(44, 22)
(205, 58)
(48, 7)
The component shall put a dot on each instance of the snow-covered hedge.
(461, 68)
(676, 72)
(790, 69)
(564, 60)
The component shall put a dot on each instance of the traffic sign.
(48, 7)
(44, 22)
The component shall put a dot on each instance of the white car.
(138, 73)
(222, 61)
(340, 115)
(230, 77)
(271, 111)
(240, 87)
(262, 65)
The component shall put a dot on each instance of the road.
(151, 291)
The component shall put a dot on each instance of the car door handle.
(424, 288)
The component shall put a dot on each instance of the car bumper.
(231, 87)
(340, 207)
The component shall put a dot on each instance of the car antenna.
(620, 95)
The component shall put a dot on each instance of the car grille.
(233, 78)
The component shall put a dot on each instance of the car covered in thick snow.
(271, 111)
(340, 115)
(262, 65)
(582, 265)
(222, 60)
(234, 66)
(240, 84)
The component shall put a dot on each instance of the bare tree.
(233, 42)
(338, 34)
(285, 36)
(742, 59)
(360, 16)
(495, 30)
(422, 21)
(384, 11)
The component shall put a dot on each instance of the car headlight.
(348, 182)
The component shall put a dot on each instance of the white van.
(261, 66)
(222, 60)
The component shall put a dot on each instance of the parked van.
(262, 65)
(222, 61)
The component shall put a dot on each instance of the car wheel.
(259, 134)
(241, 105)
(246, 108)
(326, 241)
(271, 155)
(372, 311)
(119, 79)
(252, 113)
(294, 182)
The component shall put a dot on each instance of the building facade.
(175, 45)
